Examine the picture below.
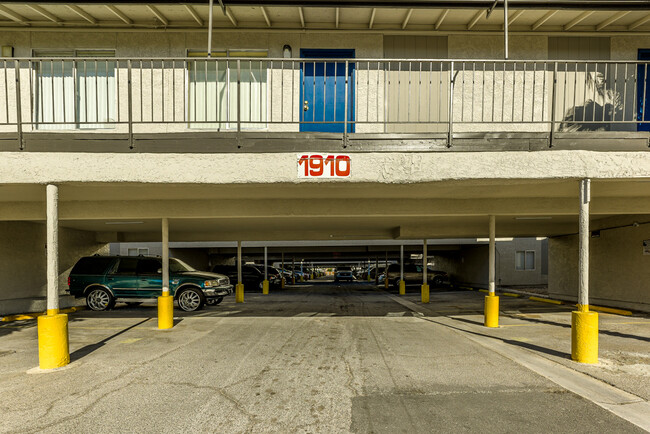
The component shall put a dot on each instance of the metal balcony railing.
(321, 95)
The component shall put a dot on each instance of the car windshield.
(178, 266)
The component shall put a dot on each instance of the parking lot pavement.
(316, 357)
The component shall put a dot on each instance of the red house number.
(323, 166)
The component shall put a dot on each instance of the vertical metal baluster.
(483, 94)
(346, 107)
(238, 95)
(409, 94)
(250, 91)
(451, 103)
(52, 81)
(63, 90)
(108, 117)
(152, 87)
(473, 90)
(217, 102)
(440, 94)
(173, 90)
(575, 89)
(624, 92)
(616, 65)
(584, 111)
(130, 102)
(645, 82)
(118, 118)
(282, 91)
(593, 116)
(228, 75)
(386, 89)
(544, 92)
(419, 91)
(41, 91)
(356, 86)
(462, 98)
(604, 92)
(85, 91)
(336, 73)
(162, 89)
(74, 92)
(4, 70)
(514, 88)
(140, 67)
(324, 90)
(399, 85)
(523, 93)
(503, 94)
(293, 88)
(313, 112)
(367, 93)
(377, 94)
(553, 103)
(186, 90)
(494, 82)
(268, 91)
(532, 114)
(304, 95)
(19, 111)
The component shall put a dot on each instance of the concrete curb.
(27, 316)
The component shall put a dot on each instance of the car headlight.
(210, 283)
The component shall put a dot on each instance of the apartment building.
(320, 120)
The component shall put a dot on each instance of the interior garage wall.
(472, 266)
(619, 272)
(22, 264)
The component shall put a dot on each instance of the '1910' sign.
(323, 166)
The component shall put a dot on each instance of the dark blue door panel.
(643, 91)
(322, 91)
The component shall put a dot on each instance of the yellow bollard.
(425, 293)
(239, 293)
(53, 350)
(165, 312)
(302, 278)
(311, 276)
(491, 311)
(282, 283)
(584, 335)
(369, 279)
(402, 287)
(265, 287)
(386, 283)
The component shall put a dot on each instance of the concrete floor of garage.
(321, 357)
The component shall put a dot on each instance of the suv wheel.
(191, 299)
(99, 299)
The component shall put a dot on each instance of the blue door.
(322, 91)
(643, 91)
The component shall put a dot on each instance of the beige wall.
(507, 274)
(22, 268)
(619, 272)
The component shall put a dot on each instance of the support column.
(425, 283)
(165, 301)
(491, 310)
(239, 289)
(386, 272)
(265, 284)
(53, 349)
(584, 324)
(283, 281)
(376, 270)
(368, 268)
(293, 270)
(402, 284)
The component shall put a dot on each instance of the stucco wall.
(22, 267)
(619, 273)
(507, 274)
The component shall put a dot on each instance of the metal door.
(323, 91)
(643, 91)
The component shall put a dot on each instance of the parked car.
(252, 275)
(104, 280)
(343, 273)
(273, 275)
(413, 274)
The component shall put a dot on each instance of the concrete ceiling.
(165, 16)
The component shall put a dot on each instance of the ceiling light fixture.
(123, 223)
(533, 218)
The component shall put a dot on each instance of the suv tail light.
(68, 281)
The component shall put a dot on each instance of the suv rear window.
(93, 265)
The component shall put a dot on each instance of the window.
(212, 99)
(137, 251)
(127, 266)
(525, 260)
(149, 266)
(74, 93)
(93, 265)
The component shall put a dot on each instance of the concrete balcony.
(260, 104)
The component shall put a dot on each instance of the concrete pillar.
(386, 272)
(53, 349)
(425, 284)
(491, 310)
(584, 324)
(402, 284)
(283, 279)
(376, 270)
(265, 284)
(165, 301)
(368, 268)
(239, 289)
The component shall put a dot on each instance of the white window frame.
(72, 54)
(225, 54)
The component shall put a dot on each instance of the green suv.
(103, 280)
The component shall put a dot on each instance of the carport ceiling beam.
(83, 14)
(441, 19)
(372, 18)
(302, 16)
(13, 16)
(228, 13)
(407, 18)
(611, 20)
(39, 10)
(474, 20)
(338, 15)
(266, 16)
(194, 15)
(163, 19)
(547, 16)
(514, 17)
(577, 20)
(639, 23)
(121, 15)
